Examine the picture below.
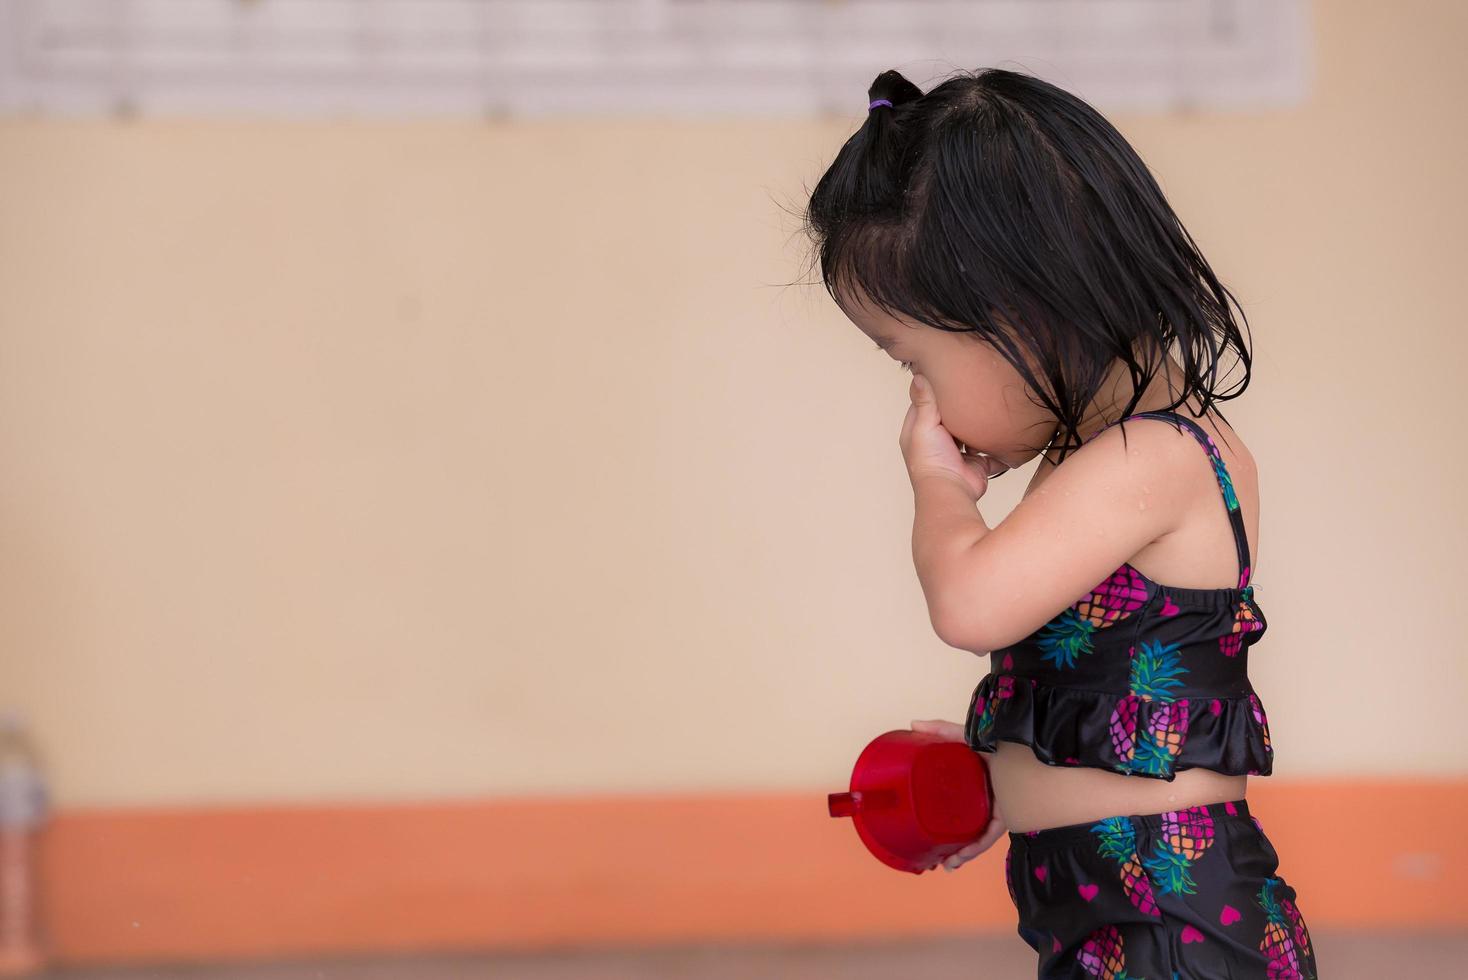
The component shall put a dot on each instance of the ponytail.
(868, 174)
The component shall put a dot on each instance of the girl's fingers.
(995, 829)
(950, 730)
(991, 835)
(973, 850)
(958, 860)
(979, 846)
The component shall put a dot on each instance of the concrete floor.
(1353, 956)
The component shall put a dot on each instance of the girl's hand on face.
(995, 829)
(928, 447)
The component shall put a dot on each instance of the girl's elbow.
(962, 629)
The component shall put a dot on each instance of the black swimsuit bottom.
(1192, 894)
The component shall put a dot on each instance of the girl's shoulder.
(1188, 476)
(1229, 446)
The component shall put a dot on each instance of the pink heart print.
(1057, 943)
(1040, 872)
(1229, 915)
(1191, 935)
(1008, 662)
(1088, 892)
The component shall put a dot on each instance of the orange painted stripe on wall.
(159, 885)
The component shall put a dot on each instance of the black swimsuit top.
(1136, 676)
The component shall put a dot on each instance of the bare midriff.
(1031, 795)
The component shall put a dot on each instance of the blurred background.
(447, 532)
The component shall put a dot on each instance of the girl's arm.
(987, 588)
(946, 526)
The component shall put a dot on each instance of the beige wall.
(377, 461)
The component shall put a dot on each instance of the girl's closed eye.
(904, 365)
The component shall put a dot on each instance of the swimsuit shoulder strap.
(1225, 482)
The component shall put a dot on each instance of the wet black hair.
(1002, 205)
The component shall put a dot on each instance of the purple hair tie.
(877, 102)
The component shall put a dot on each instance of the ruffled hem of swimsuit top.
(1098, 730)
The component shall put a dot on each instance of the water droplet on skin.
(1141, 505)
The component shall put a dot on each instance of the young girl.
(1000, 239)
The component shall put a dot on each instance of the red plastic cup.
(915, 798)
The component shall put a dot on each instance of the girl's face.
(981, 397)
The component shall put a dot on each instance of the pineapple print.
(1004, 688)
(1278, 944)
(1119, 844)
(1168, 729)
(1259, 717)
(1069, 634)
(1297, 921)
(1102, 956)
(1186, 834)
(1245, 622)
(1154, 673)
